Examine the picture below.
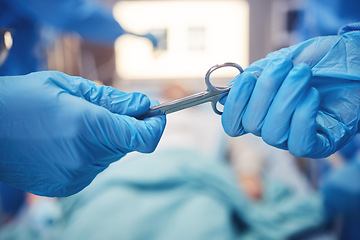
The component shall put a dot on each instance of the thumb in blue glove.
(57, 132)
(305, 98)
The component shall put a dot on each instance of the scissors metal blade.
(187, 102)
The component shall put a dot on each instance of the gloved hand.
(57, 132)
(305, 98)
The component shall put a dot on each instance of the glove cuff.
(349, 28)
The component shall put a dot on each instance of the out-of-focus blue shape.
(180, 194)
(350, 150)
(341, 193)
(11, 200)
(152, 38)
(92, 21)
(325, 17)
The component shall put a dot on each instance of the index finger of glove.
(264, 92)
(235, 104)
(132, 104)
(304, 140)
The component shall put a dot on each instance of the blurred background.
(164, 48)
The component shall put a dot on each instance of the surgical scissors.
(212, 94)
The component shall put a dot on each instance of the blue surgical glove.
(305, 98)
(57, 132)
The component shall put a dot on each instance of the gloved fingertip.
(254, 70)
(132, 104)
(246, 77)
(144, 104)
(150, 112)
(282, 63)
(231, 130)
(302, 70)
(155, 127)
(232, 126)
(144, 100)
